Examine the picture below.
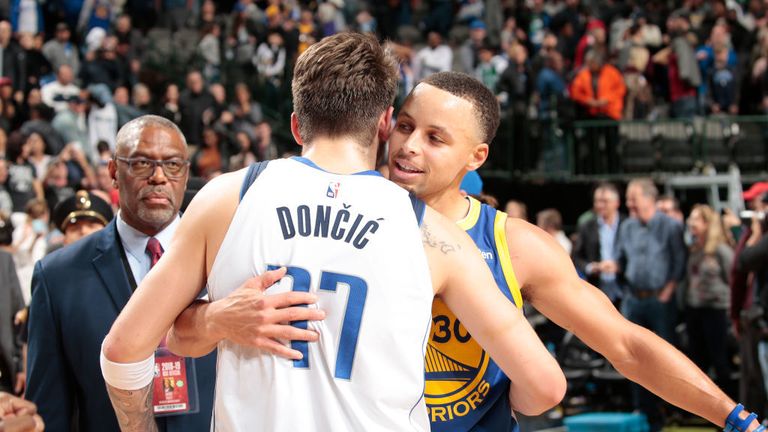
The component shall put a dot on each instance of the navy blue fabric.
(77, 293)
(254, 171)
(419, 208)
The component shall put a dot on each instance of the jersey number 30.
(350, 327)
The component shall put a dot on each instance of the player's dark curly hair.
(468, 88)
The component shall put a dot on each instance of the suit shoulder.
(83, 249)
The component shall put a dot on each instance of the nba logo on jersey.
(333, 189)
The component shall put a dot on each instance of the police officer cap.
(82, 205)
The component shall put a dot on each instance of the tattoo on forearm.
(133, 409)
(429, 239)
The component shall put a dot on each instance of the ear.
(112, 167)
(477, 157)
(385, 124)
(295, 129)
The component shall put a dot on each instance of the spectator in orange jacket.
(599, 89)
(609, 100)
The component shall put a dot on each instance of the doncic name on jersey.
(339, 221)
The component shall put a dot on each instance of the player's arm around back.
(550, 282)
(464, 282)
(177, 278)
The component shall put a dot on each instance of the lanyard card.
(174, 388)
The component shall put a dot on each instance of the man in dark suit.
(596, 241)
(78, 291)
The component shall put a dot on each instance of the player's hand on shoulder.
(250, 317)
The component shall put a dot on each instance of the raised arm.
(464, 282)
(551, 284)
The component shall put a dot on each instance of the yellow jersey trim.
(500, 233)
(470, 220)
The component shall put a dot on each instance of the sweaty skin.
(432, 146)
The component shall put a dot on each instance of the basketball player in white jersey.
(372, 256)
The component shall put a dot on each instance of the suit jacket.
(77, 293)
(11, 302)
(586, 249)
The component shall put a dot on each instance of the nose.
(411, 144)
(158, 175)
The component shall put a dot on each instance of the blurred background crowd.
(595, 87)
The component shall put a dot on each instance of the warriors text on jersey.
(466, 390)
(354, 240)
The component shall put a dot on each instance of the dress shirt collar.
(135, 241)
(615, 225)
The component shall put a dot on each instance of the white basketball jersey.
(353, 240)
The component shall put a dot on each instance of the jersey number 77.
(350, 328)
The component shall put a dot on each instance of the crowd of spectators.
(697, 279)
(72, 73)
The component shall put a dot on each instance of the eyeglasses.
(143, 167)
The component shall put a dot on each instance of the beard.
(158, 216)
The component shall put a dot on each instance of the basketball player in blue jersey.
(441, 133)
(353, 244)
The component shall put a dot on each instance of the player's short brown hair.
(342, 85)
(468, 88)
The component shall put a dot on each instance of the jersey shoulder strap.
(254, 171)
(419, 208)
(502, 251)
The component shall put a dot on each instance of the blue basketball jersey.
(465, 390)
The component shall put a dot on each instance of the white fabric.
(28, 17)
(127, 376)
(54, 88)
(429, 61)
(102, 125)
(384, 391)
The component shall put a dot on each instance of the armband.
(128, 376)
(736, 424)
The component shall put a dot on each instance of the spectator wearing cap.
(745, 314)
(80, 215)
(468, 52)
(61, 51)
(594, 38)
(56, 94)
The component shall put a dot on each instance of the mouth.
(403, 168)
(155, 199)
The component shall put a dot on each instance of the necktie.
(154, 250)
